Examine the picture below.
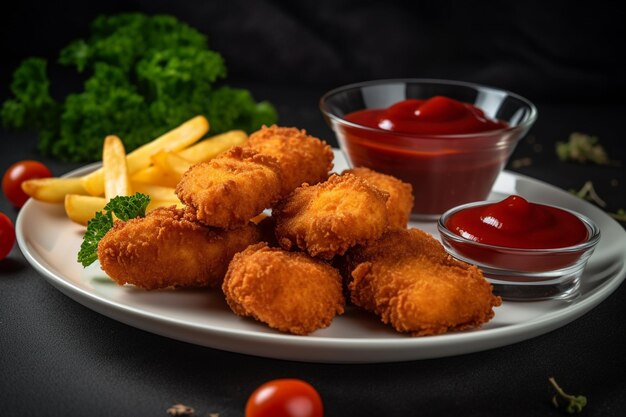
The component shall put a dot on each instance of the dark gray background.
(544, 50)
(60, 358)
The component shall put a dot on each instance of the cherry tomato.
(285, 398)
(7, 235)
(17, 174)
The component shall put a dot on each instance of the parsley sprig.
(124, 208)
(144, 74)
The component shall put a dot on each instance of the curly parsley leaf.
(124, 208)
(96, 229)
(32, 106)
(144, 75)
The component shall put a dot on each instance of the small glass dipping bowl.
(524, 274)
(445, 170)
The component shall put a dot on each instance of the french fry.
(52, 190)
(162, 203)
(171, 163)
(175, 164)
(116, 180)
(259, 218)
(175, 140)
(156, 192)
(213, 146)
(156, 176)
(81, 208)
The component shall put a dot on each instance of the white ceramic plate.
(50, 243)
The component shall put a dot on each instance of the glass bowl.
(445, 170)
(524, 274)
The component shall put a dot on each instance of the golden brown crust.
(400, 202)
(231, 189)
(329, 218)
(167, 248)
(302, 158)
(409, 280)
(289, 291)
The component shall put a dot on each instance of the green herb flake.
(575, 403)
(588, 192)
(619, 215)
(582, 148)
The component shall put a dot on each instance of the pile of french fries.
(153, 169)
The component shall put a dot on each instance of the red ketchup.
(436, 116)
(515, 223)
(422, 142)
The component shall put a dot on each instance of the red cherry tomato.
(285, 398)
(17, 174)
(7, 235)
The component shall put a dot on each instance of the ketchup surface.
(445, 171)
(516, 223)
(435, 116)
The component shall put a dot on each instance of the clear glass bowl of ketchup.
(528, 251)
(450, 140)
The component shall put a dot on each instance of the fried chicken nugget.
(400, 200)
(329, 218)
(232, 188)
(409, 280)
(302, 158)
(167, 248)
(289, 291)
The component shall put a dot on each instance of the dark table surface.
(58, 357)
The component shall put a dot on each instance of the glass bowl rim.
(527, 123)
(592, 239)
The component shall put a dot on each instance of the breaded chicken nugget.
(400, 200)
(329, 218)
(409, 280)
(231, 189)
(302, 158)
(289, 291)
(167, 248)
